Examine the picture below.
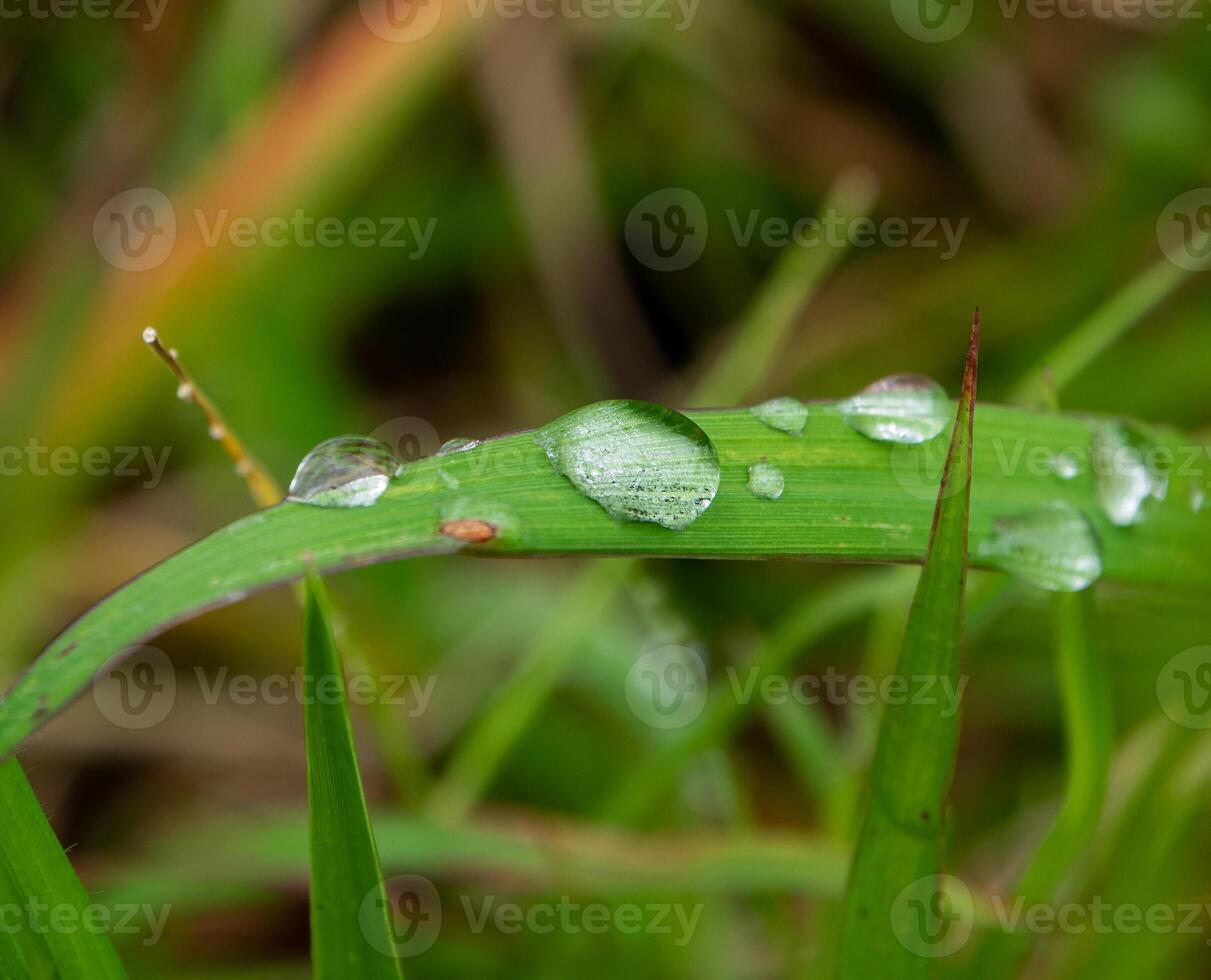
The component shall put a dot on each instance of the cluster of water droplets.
(640, 462)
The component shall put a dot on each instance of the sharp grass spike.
(897, 863)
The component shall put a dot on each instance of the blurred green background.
(526, 146)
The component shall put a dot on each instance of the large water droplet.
(1052, 546)
(766, 480)
(1125, 478)
(906, 408)
(641, 462)
(349, 471)
(787, 415)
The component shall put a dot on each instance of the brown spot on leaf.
(469, 530)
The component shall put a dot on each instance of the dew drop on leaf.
(1124, 476)
(1065, 465)
(349, 471)
(907, 408)
(787, 415)
(457, 446)
(640, 462)
(1052, 546)
(766, 480)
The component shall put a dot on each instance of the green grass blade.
(809, 621)
(349, 925)
(1085, 690)
(900, 842)
(845, 500)
(36, 869)
(763, 332)
(1099, 332)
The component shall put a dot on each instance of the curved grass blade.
(899, 850)
(350, 928)
(1085, 689)
(36, 869)
(845, 500)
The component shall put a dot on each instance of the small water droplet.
(150, 335)
(217, 432)
(1124, 477)
(1198, 497)
(1066, 466)
(449, 479)
(1052, 546)
(908, 408)
(185, 391)
(787, 415)
(766, 480)
(457, 446)
(639, 461)
(349, 471)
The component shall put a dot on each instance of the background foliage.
(1060, 140)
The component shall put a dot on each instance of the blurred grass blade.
(37, 871)
(894, 882)
(1097, 334)
(846, 499)
(349, 911)
(1085, 689)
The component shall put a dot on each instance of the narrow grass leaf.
(892, 916)
(350, 928)
(1085, 691)
(846, 498)
(37, 871)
